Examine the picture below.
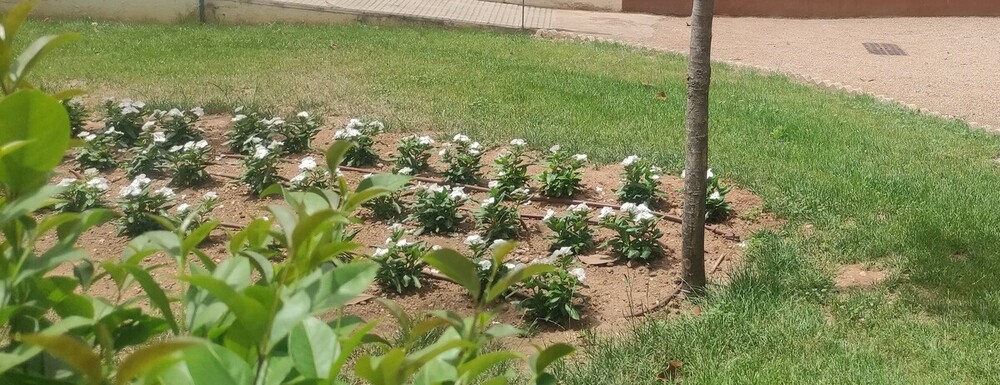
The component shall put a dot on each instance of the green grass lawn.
(915, 195)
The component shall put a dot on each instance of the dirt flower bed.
(611, 290)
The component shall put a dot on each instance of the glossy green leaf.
(248, 312)
(374, 187)
(215, 365)
(70, 350)
(472, 369)
(457, 267)
(547, 356)
(155, 293)
(40, 120)
(313, 347)
(514, 277)
(137, 363)
(30, 57)
(336, 152)
(337, 286)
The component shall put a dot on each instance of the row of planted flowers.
(160, 142)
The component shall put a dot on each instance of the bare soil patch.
(857, 276)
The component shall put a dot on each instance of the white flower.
(275, 144)
(442, 152)
(110, 130)
(165, 192)
(579, 273)
(580, 157)
(260, 152)
(403, 243)
(198, 111)
(628, 207)
(498, 243)
(346, 133)
(715, 196)
(436, 247)
(554, 148)
(488, 202)
(548, 215)
(458, 194)
(405, 171)
(366, 176)
(514, 266)
(130, 191)
(493, 184)
(580, 208)
(354, 124)
(474, 240)
(518, 142)
(303, 114)
(434, 188)
(176, 148)
(141, 180)
(642, 213)
(521, 191)
(66, 182)
(183, 208)
(238, 109)
(98, 183)
(298, 178)
(201, 144)
(460, 139)
(129, 110)
(175, 113)
(425, 140)
(90, 137)
(631, 159)
(655, 177)
(710, 175)
(308, 164)
(605, 212)
(238, 118)
(90, 172)
(159, 137)
(599, 189)
(395, 227)
(82, 134)
(380, 252)
(211, 195)
(562, 252)
(485, 264)
(148, 125)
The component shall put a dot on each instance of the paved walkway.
(951, 64)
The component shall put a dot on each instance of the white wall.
(603, 5)
(160, 11)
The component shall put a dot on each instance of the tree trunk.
(696, 158)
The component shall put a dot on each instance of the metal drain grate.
(884, 49)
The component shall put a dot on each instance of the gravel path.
(951, 65)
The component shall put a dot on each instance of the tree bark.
(696, 158)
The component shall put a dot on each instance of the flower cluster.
(188, 163)
(82, 195)
(127, 117)
(178, 126)
(311, 174)
(188, 218)
(464, 160)
(77, 115)
(554, 296)
(299, 132)
(98, 151)
(640, 181)
(562, 176)
(148, 156)
(716, 207)
(496, 219)
(139, 205)
(249, 130)
(511, 169)
(413, 154)
(363, 135)
(400, 262)
(436, 208)
(260, 170)
(571, 230)
(637, 237)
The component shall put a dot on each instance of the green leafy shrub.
(127, 117)
(400, 262)
(463, 159)
(79, 195)
(511, 169)
(571, 229)
(311, 175)
(436, 208)
(98, 151)
(498, 220)
(362, 135)
(717, 209)
(140, 206)
(554, 296)
(188, 218)
(640, 182)
(260, 170)
(299, 132)
(148, 156)
(178, 126)
(637, 236)
(386, 207)
(77, 116)
(413, 153)
(562, 175)
(249, 130)
(188, 163)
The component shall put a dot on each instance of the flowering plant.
(717, 209)
(571, 229)
(363, 135)
(477, 244)
(178, 126)
(464, 160)
(496, 219)
(413, 154)
(386, 207)
(148, 156)
(98, 151)
(249, 130)
(299, 132)
(436, 208)
(554, 296)
(189, 218)
(489, 273)
(77, 115)
(188, 163)
(640, 181)
(511, 168)
(140, 205)
(561, 178)
(127, 117)
(400, 262)
(637, 235)
(260, 170)
(311, 174)
(79, 195)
